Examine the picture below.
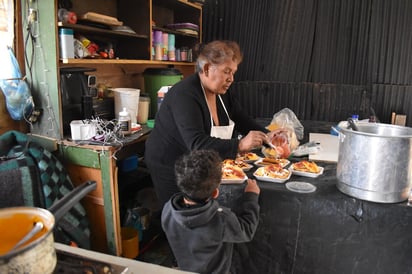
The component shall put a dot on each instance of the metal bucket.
(374, 163)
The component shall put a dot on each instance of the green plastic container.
(154, 79)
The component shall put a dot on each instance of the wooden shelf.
(196, 36)
(122, 61)
(172, 3)
(107, 32)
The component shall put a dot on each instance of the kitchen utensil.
(374, 163)
(38, 226)
(38, 254)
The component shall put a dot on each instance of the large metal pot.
(38, 254)
(374, 163)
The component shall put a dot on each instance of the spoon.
(269, 145)
(38, 226)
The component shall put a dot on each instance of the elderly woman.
(199, 113)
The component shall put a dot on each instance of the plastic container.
(81, 130)
(129, 164)
(139, 218)
(127, 98)
(171, 52)
(125, 122)
(66, 43)
(151, 123)
(158, 41)
(143, 111)
(165, 46)
(183, 54)
(154, 79)
(130, 242)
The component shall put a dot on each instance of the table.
(90, 161)
(322, 232)
(133, 266)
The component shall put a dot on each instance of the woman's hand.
(252, 140)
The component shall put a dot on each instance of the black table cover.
(322, 232)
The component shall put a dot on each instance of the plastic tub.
(130, 242)
(151, 123)
(154, 79)
(127, 98)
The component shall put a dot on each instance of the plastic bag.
(308, 148)
(286, 130)
(19, 101)
(286, 118)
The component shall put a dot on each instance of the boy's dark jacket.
(202, 237)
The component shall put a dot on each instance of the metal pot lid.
(300, 187)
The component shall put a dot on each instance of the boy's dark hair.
(198, 174)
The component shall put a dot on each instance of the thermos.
(66, 44)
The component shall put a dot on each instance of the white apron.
(222, 132)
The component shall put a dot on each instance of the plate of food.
(272, 173)
(233, 175)
(271, 161)
(248, 157)
(238, 163)
(306, 168)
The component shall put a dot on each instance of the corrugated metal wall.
(340, 56)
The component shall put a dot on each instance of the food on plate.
(247, 156)
(237, 163)
(282, 143)
(271, 161)
(306, 166)
(273, 171)
(269, 152)
(232, 172)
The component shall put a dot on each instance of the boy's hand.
(252, 186)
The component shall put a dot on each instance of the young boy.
(200, 232)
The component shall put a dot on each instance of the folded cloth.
(188, 26)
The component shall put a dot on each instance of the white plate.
(259, 163)
(307, 174)
(300, 187)
(246, 166)
(271, 179)
(248, 161)
(249, 167)
(234, 181)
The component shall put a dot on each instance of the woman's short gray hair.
(218, 52)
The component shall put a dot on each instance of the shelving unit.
(143, 17)
(133, 56)
(133, 52)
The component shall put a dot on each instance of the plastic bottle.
(66, 43)
(125, 122)
(355, 118)
(171, 51)
(165, 46)
(183, 54)
(158, 45)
